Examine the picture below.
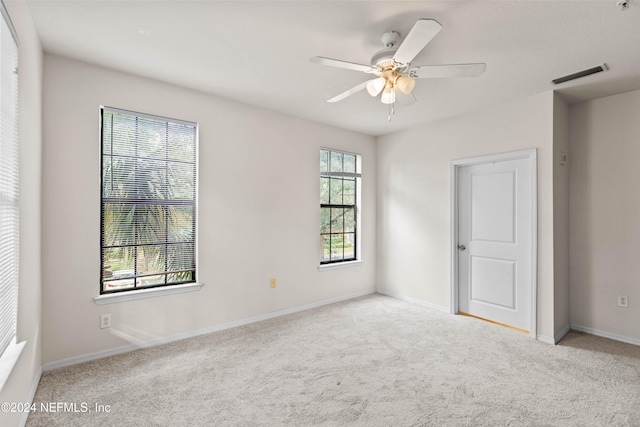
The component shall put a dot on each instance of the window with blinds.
(148, 212)
(9, 189)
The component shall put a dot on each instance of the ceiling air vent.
(579, 74)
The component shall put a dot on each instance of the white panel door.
(495, 223)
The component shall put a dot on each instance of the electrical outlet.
(105, 321)
(273, 283)
(623, 301)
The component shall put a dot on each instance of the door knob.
(462, 247)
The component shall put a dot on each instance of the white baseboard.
(545, 339)
(50, 366)
(555, 339)
(32, 393)
(190, 334)
(561, 333)
(604, 334)
(414, 300)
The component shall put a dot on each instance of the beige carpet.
(372, 361)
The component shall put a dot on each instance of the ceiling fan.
(392, 65)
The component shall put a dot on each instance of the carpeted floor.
(372, 361)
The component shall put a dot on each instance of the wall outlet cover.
(105, 321)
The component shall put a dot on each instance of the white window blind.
(9, 190)
(148, 201)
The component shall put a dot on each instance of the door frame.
(531, 155)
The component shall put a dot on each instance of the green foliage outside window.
(338, 206)
(148, 201)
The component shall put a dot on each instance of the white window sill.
(337, 265)
(9, 360)
(146, 293)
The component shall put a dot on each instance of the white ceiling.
(257, 52)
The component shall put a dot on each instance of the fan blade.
(349, 92)
(343, 64)
(453, 70)
(421, 34)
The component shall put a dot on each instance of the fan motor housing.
(383, 59)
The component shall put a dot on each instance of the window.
(339, 206)
(9, 198)
(148, 212)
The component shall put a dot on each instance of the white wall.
(414, 223)
(605, 215)
(24, 376)
(258, 212)
(560, 217)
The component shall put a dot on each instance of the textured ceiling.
(257, 52)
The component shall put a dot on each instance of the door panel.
(495, 223)
(493, 281)
(492, 207)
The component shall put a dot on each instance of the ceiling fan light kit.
(405, 84)
(392, 65)
(375, 86)
(388, 95)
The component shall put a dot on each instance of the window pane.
(337, 252)
(325, 219)
(150, 259)
(337, 220)
(118, 263)
(350, 163)
(326, 248)
(324, 161)
(150, 281)
(107, 134)
(349, 246)
(151, 179)
(349, 220)
(181, 257)
(182, 142)
(117, 224)
(113, 285)
(152, 136)
(349, 192)
(181, 181)
(150, 224)
(324, 190)
(123, 131)
(118, 179)
(336, 161)
(181, 277)
(335, 197)
(180, 223)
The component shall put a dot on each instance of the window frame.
(160, 288)
(356, 177)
